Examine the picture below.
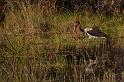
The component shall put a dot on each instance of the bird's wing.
(97, 32)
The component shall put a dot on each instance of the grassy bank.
(34, 44)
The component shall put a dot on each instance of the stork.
(91, 32)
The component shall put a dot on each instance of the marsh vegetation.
(37, 43)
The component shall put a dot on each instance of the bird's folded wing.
(97, 32)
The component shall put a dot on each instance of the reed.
(39, 45)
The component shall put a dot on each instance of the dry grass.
(36, 43)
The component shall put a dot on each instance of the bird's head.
(76, 25)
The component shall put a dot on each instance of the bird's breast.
(87, 29)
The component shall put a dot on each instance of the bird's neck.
(76, 27)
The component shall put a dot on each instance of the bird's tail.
(108, 41)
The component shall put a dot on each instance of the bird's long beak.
(74, 29)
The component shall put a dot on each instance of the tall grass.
(36, 45)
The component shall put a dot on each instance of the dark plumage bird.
(91, 32)
(95, 33)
